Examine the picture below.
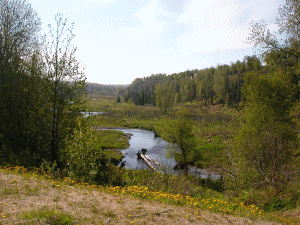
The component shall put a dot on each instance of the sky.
(120, 40)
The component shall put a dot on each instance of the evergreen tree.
(118, 99)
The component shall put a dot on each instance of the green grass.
(112, 139)
(110, 153)
(46, 215)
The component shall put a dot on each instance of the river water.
(86, 114)
(157, 149)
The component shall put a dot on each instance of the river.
(157, 149)
(86, 114)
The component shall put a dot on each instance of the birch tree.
(67, 83)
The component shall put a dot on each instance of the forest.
(104, 90)
(240, 120)
(220, 85)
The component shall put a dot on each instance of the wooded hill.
(102, 89)
(221, 84)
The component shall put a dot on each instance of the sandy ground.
(19, 194)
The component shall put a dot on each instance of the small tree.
(87, 162)
(118, 99)
(180, 133)
(67, 84)
(164, 96)
(82, 154)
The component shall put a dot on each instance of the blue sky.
(120, 40)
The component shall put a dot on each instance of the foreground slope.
(29, 200)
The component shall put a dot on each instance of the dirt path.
(19, 194)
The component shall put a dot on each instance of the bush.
(87, 162)
(108, 173)
(82, 154)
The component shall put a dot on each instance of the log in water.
(145, 158)
(151, 160)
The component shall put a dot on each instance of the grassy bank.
(112, 141)
(30, 197)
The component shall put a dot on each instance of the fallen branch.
(146, 214)
(147, 157)
(107, 221)
(147, 162)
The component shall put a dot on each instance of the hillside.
(102, 89)
(28, 199)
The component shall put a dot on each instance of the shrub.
(87, 162)
(82, 154)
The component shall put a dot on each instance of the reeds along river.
(157, 149)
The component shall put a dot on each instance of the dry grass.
(87, 205)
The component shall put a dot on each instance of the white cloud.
(101, 2)
(211, 28)
(267, 9)
(149, 29)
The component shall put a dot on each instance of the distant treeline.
(102, 89)
(221, 84)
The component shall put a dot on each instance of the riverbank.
(111, 142)
(28, 198)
